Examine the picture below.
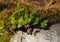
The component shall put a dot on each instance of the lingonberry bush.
(14, 15)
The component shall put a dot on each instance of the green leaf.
(1, 24)
(13, 21)
(36, 20)
(1, 12)
(42, 15)
(44, 23)
(32, 14)
(18, 5)
(26, 16)
(20, 22)
(51, 1)
(27, 19)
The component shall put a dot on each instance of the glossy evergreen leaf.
(20, 22)
(32, 14)
(44, 23)
(36, 20)
(13, 21)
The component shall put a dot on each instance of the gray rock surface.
(52, 35)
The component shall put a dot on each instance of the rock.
(52, 35)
